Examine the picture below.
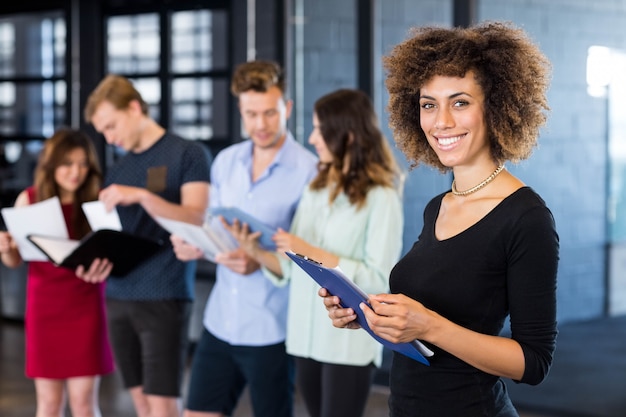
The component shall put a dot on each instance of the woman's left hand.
(6, 242)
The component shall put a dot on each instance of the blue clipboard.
(351, 296)
(254, 224)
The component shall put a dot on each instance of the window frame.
(165, 74)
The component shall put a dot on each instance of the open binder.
(125, 251)
(210, 238)
(351, 296)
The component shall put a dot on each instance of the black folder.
(351, 296)
(124, 250)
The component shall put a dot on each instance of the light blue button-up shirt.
(249, 310)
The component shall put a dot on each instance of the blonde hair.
(118, 91)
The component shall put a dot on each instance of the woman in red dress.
(67, 345)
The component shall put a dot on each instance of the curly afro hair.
(511, 70)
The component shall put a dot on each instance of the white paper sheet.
(99, 218)
(44, 218)
(58, 249)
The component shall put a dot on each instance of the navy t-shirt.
(162, 169)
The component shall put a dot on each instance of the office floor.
(17, 396)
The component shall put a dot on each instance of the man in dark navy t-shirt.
(148, 310)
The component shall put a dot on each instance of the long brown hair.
(350, 129)
(52, 156)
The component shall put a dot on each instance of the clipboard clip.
(306, 258)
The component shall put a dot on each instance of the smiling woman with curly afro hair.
(512, 71)
(466, 101)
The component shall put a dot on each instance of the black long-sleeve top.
(505, 264)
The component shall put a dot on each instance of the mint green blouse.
(368, 242)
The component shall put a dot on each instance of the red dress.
(65, 322)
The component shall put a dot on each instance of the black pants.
(333, 390)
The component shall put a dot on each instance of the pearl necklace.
(475, 188)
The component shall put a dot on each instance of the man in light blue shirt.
(245, 318)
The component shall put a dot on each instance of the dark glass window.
(133, 44)
(186, 85)
(32, 74)
(33, 93)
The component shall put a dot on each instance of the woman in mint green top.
(350, 216)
